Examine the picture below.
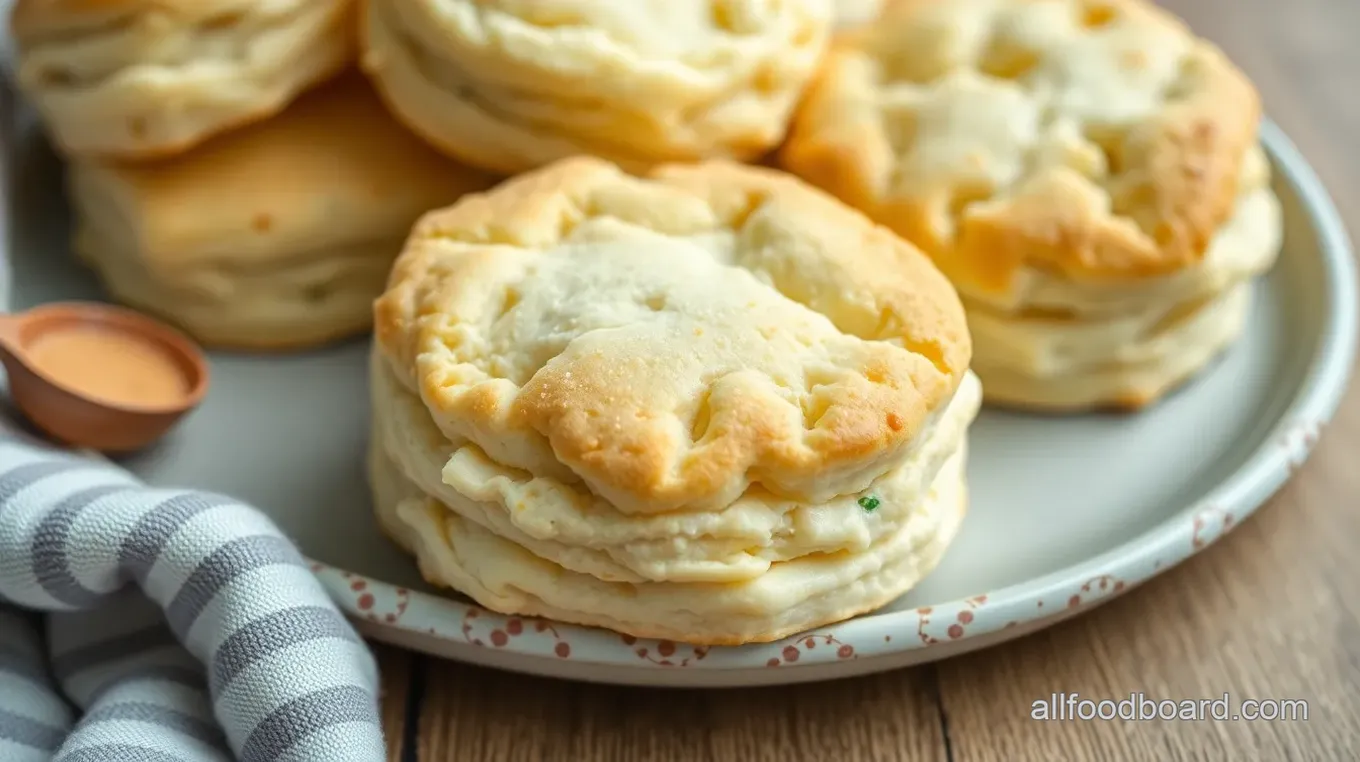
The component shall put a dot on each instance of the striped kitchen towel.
(179, 626)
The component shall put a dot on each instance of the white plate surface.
(1065, 512)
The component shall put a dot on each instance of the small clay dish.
(98, 376)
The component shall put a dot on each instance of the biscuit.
(1126, 346)
(529, 318)
(137, 79)
(714, 383)
(276, 236)
(1055, 158)
(512, 84)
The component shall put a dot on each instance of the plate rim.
(1029, 604)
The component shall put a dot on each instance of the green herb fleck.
(868, 503)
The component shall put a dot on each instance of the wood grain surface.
(1267, 613)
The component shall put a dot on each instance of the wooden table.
(1272, 611)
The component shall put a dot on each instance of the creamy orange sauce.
(110, 366)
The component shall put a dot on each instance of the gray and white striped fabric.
(159, 625)
(178, 626)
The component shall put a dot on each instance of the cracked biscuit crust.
(515, 84)
(1096, 139)
(676, 339)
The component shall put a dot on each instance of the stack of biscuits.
(712, 404)
(228, 169)
(1085, 172)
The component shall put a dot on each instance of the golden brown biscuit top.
(675, 339)
(1093, 138)
(333, 169)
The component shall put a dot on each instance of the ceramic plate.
(1065, 513)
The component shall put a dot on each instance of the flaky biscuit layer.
(791, 597)
(318, 298)
(137, 79)
(568, 526)
(1118, 365)
(512, 84)
(674, 340)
